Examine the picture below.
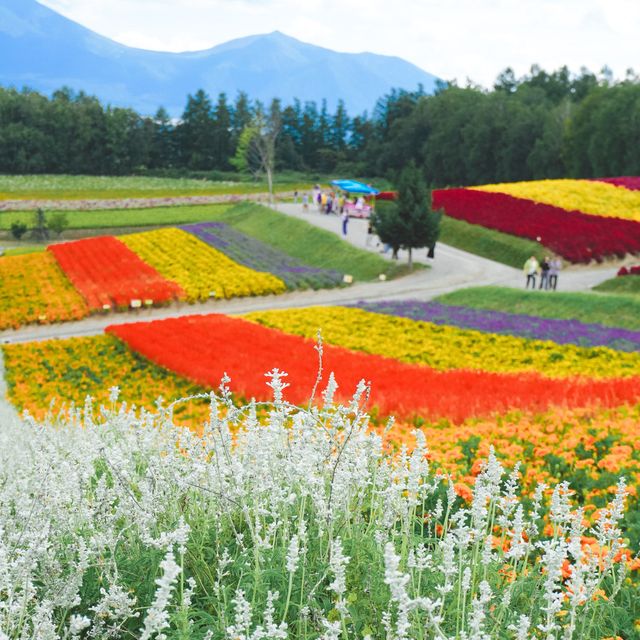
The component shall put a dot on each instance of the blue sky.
(458, 39)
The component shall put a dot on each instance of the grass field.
(629, 285)
(501, 247)
(313, 246)
(123, 218)
(606, 309)
(65, 187)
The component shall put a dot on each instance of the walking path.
(450, 270)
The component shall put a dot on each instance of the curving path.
(451, 269)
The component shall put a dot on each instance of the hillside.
(45, 51)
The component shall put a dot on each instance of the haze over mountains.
(43, 50)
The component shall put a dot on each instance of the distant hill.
(43, 50)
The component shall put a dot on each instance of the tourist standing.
(545, 266)
(530, 270)
(554, 270)
(367, 242)
(345, 223)
(305, 202)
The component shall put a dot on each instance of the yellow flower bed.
(33, 288)
(70, 370)
(443, 347)
(199, 269)
(593, 198)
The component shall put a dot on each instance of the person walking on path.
(345, 223)
(367, 242)
(530, 270)
(305, 202)
(545, 266)
(554, 270)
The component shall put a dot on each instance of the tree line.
(541, 125)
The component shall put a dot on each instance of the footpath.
(451, 269)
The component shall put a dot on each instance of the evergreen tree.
(408, 222)
(197, 132)
(222, 134)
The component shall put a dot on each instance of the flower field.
(72, 369)
(520, 325)
(627, 182)
(447, 347)
(576, 236)
(33, 288)
(592, 197)
(108, 274)
(200, 270)
(259, 256)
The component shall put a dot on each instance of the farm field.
(581, 220)
(54, 187)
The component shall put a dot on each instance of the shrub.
(18, 229)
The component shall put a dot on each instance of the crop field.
(54, 187)
(581, 220)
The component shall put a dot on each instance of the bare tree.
(256, 150)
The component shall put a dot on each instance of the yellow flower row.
(33, 288)
(203, 272)
(443, 347)
(590, 197)
(70, 370)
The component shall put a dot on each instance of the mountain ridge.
(44, 51)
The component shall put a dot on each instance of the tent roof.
(352, 186)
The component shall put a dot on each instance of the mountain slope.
(44, 51)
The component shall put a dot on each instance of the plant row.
(574, 235)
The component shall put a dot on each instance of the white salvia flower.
(157, 616)
(487, 551)
(277, 384)
(272, 630)
(338, 566)
(114, 394)
(77, 624)
(332, 630)
(188, 592)
(293, 554)
(330, 391)
(466, 579)
(242, 617)
(522, 628)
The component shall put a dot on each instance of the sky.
(453, 39)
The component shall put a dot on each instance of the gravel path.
(450, 270)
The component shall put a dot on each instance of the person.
(295, 197)
(554, 271)
(323, 202)
(319, 200)
(329, 204)
(305, 202)
(544, 273)
(530, 270)
(345, 223)
(367, 242)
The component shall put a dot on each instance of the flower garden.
(195, 263)
(581, 220)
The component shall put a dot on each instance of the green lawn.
(105, 219)
(21, 251)
(624, 284)
(306, 242)
(65, 187)
(608, 309)
(501, 247)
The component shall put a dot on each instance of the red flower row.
(107, 273)
(628, 182)
(631, 271)
(203, 348)
(572, 234)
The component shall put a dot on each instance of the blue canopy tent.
(361, 209)
(353, 186)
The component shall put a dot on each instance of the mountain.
(43, 50)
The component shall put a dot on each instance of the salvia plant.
(280, 522)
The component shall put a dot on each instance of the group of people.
(548, 270)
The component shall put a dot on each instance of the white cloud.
(452, 39)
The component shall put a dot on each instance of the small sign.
(382, 277)
(136, 304)
(347, 279)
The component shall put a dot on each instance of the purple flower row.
(523, 326)
(259, 256)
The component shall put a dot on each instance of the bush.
(58, 222)
(126, 526)
(18, 229)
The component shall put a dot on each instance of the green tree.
(40, 229)
(409, 222)
(18, 229)
(197, 132)
(58, 222)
